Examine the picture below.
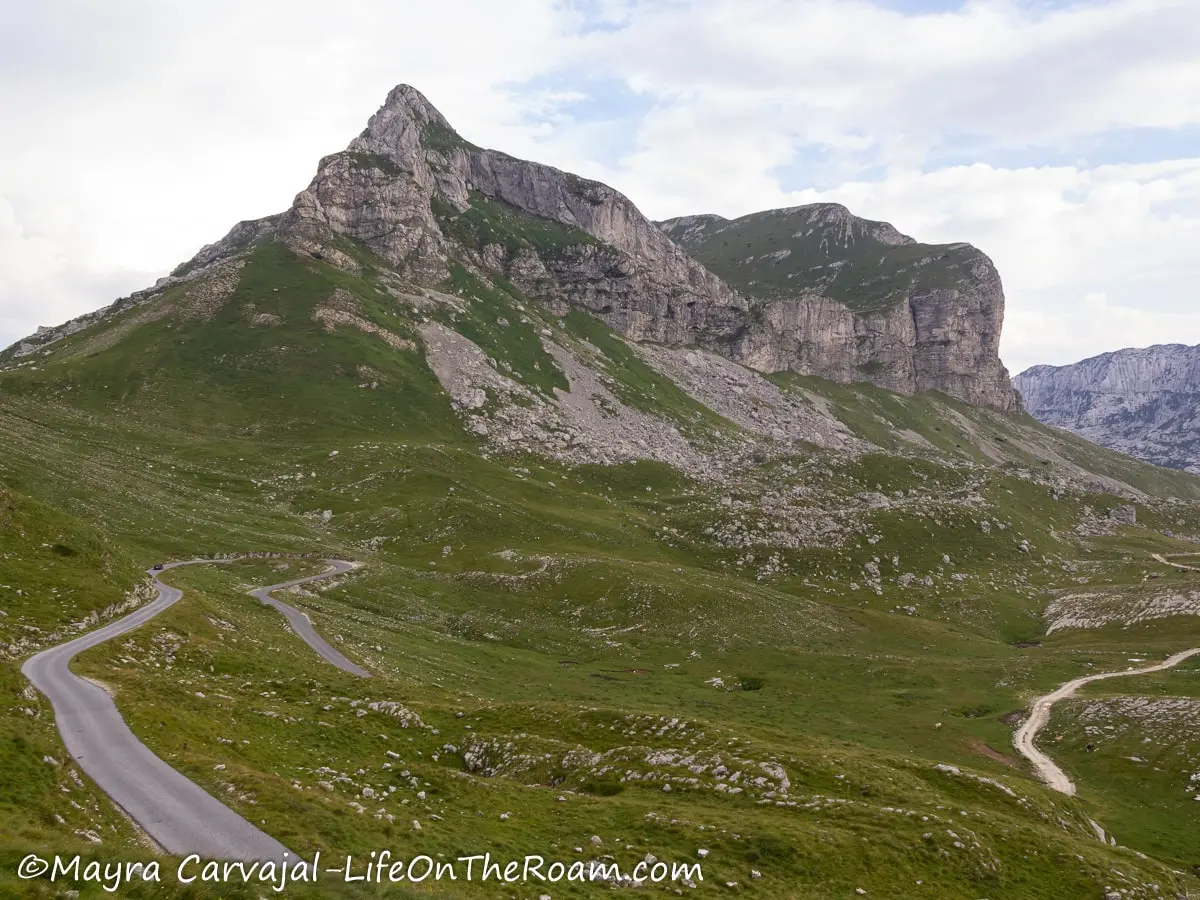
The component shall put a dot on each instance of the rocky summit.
(1144, 402)
(812, 290)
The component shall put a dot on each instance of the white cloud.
(1065, 333)
(54, 286)
(851, 67)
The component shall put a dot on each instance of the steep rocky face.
(414, 192)
(815, 291)
(855, 300)
(1144, 402)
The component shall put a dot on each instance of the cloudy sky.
(1061, 137)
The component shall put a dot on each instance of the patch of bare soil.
(976, 745)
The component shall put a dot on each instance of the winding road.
(302, 625)
(178, 814)
(1040, 714)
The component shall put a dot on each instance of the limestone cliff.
(418, 195)
(1144, 402)
(854, 300)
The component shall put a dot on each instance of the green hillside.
(864, 265)
(854, 629)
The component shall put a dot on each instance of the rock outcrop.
(1144, 402)
(418, 195)
(849, 299)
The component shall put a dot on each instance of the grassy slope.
(292, 376)
(777, 253)
(594, 615)
(288, 724)
(980, 435)
(638, 385)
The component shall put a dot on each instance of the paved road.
(175, 812)
(302, 625)
(1040, 714)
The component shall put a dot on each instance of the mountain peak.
(405, 121)
(837, 216)
(404, 99)
(824, 211)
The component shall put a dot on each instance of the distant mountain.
(1144, 402)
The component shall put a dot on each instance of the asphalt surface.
(302, 625)
(1040, 715)
(179, 815)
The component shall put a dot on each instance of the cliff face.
(854, 300)
(842, 297)
(1144, 402)
(419, 195)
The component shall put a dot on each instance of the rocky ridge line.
(1144, 402)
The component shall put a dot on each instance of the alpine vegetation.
(520, 526)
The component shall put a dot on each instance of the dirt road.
(1039, 715)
